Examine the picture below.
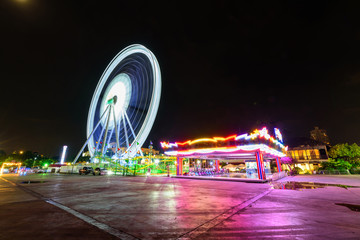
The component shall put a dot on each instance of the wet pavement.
(292, 185)
(48, 206)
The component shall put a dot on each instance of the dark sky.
(226, 68)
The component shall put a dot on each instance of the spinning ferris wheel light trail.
(124, 105)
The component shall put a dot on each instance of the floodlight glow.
(63, 154)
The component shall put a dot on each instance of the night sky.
(226, 68)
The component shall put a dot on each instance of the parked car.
(100, 171)
(37, 170)
(86, 171)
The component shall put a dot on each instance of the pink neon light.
(263, 133)
(214, 139)
(246, 148)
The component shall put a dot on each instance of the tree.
(29, 162)
(346, 152)
(2, 155)
(290, 162)
(46, 161)
(338, 164)
(27, 155)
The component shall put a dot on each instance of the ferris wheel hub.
(119, 94)
(112, 100)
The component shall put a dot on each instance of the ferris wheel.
(124, 104)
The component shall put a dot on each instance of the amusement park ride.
(123, 110)
(256, 150)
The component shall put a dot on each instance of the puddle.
(28, 182)
(305, 185)
(355, 208)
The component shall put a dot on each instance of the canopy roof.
(233, 147)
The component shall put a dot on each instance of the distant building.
(86, 154)
(112, 148)
(320, 135)
(308, 158)
(145, 151)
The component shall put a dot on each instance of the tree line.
(342, 157)
(27, 158)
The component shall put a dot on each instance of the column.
(217, 165)
(278, 164)
(179, 166)
(260, 165)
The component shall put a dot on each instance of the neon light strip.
(241, 136)
(263, 133)
(214, 139)
(261, 147)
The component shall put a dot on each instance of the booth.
(256, 149)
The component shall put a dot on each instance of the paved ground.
(102, 207)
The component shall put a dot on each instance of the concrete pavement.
(113, 207)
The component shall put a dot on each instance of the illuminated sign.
(278, 134)
(256, 134)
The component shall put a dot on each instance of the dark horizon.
(226, 69)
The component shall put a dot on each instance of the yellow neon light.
(263, 133)
(202, 140)
(9, 164)
(214, 139)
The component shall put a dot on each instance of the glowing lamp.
(63, 155)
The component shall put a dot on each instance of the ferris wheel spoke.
(138, 109)
(98, 141)
(106, 130)
(126, 135)
(90, 136)
(108, 141)
(116, 134)
(132, 131)
(102, 132)
(119, 127)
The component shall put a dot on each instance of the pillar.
(217, 165)
(179, 166)
(278, 164)
(260, 165)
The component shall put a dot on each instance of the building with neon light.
(256, 149)
(308, 158)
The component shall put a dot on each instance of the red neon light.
(209, 149)
(214, 139)
(263, 133)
